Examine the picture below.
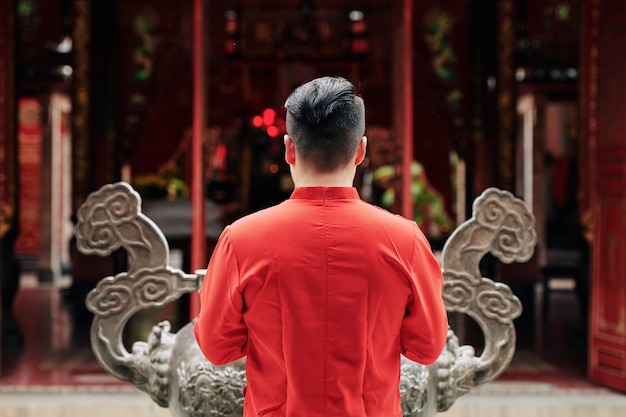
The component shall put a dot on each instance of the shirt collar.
(321, 193)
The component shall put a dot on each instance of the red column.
(8, 185)
(506, 93)
(82, 175)
(403, 103)
(7, 119)
(198, 231)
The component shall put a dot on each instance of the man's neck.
(340, 178)
(323, 184)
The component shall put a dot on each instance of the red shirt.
(322, 292)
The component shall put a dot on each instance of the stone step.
(537, 399)
(497, 399)
(134, 404)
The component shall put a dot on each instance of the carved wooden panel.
(293, 34)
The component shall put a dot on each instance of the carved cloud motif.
(110, 297)
(103, 215)
(497, 302)
(458, 290)
(514, 237)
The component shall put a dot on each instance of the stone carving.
(172, 370)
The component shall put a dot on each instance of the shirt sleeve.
(219, 328)
(425, 325)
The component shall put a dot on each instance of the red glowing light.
(272, 131)
(257, 121)
(268, 116)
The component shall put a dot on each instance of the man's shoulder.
(386, 216)
(261, 217)
(276, 217)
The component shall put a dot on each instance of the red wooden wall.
(604, 108)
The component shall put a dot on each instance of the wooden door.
(604, 166)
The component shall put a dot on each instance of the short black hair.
(326, 120)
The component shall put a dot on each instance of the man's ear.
(290, 150)
(361, 150)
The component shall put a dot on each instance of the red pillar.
(506, 93)
(198, 233)
(8, 158)
(7, 119)
(403, 103)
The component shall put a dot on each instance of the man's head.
(326, 121)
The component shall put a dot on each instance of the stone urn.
(170, 368)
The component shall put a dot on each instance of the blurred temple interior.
(461, 95)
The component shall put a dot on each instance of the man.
(324, 291)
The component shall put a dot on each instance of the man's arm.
(425, 326)
(219, 329)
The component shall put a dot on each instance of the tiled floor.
(56, 355)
